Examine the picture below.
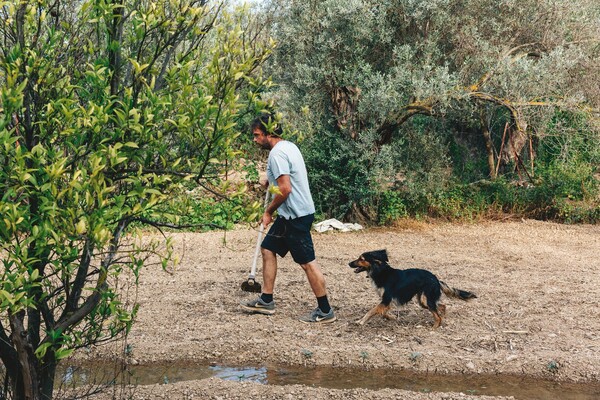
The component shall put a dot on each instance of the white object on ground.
(331, 224)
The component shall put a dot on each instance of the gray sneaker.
(259, 306)
(318, 317)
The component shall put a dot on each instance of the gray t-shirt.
(285, 159)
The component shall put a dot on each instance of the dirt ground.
(536, 314)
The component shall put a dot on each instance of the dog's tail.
(457, 293)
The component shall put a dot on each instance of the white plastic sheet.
(334, 224)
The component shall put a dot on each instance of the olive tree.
(107, 110)
(373, 74)
(376, 65)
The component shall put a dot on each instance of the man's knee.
(310, 266)
(267, 252)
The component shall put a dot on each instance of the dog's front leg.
(380, 309)
(388, 316)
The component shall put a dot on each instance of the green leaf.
(40, 352)
(34, 275)
(63, 353)
(6, 296)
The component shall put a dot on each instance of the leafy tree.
(365, 70)
(108, 109)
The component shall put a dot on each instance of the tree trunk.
(27, 359)
(47, 375)
(489, 147)
(13, 384)
(517, 139)
(34, 381)
(344, 101)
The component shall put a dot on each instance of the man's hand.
(282, 191)
(266, 220)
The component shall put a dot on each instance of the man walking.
(291, 230)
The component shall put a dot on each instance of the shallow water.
(521, 388)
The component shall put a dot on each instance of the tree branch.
(71, 319)
(7, 352)
(515, 115)
(114, 52)
(159, 225)
(79, 282)
(389, 127)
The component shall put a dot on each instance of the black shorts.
(291, 235)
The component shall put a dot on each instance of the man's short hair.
(267, 123)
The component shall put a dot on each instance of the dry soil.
(536, 313)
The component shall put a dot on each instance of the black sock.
(323, 304)
(267, 298)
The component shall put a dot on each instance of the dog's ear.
(382, 255)
(378, 256)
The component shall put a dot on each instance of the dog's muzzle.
(357, 267)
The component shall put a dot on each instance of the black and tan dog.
(401, 285)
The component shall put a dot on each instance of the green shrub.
(211, 213)
(339, 174)
(391, 207)
(205, 213)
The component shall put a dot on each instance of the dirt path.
(536, 315)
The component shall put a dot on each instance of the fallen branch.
(517, 332)
(387, 339)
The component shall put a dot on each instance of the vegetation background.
(445, 109)
(117, 115)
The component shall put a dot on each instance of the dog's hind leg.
(422, 300)
(380, 309)
(438, 319)
(437, 309)
(441, 309)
